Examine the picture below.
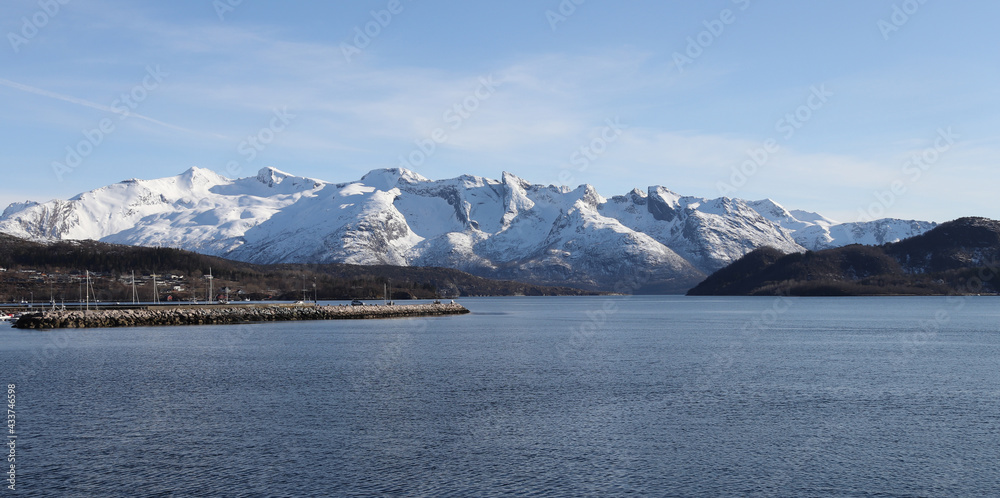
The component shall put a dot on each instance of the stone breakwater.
(220, 315)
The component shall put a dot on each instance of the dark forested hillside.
(40, 272)
(958, 257)
(102, 257)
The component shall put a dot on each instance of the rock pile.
(216, 315)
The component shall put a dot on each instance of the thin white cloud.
(87, 103)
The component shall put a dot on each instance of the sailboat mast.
(135, 293)
(94, 292)
(156, 295)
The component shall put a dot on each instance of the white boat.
(11, 319)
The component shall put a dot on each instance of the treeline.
(60, 268)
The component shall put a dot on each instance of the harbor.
(141, 316)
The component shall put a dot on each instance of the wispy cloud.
(86, 103)
(685, 131)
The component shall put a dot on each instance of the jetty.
(226, 314)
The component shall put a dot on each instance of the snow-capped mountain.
(509, 228)
(814, 231)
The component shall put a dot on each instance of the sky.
(857, 109)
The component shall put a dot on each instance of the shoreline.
(227, 315)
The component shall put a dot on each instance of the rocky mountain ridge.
(644, 241)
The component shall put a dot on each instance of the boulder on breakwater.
(220, 315)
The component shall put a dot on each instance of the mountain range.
(653, 241)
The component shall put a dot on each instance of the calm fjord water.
(530, 396)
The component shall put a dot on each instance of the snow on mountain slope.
(350, 224)
(197, 210)
(708, 233)
(789, 220)
(17, 207)
(584, 246)
(870, 233)
(814, 231)
(507, 228)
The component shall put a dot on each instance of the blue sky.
(824, 104)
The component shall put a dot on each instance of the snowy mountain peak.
(387, 178)
(194, 171)
(810, 217)
(196, 176)
(632, 199)
(17, 207)
(664, 195)
(662, 203)
(513, 180)
(472, 181)
(271, 176)
(588, 194)
(276, 181)
(771, 210)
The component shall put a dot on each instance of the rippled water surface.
(591, 396)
